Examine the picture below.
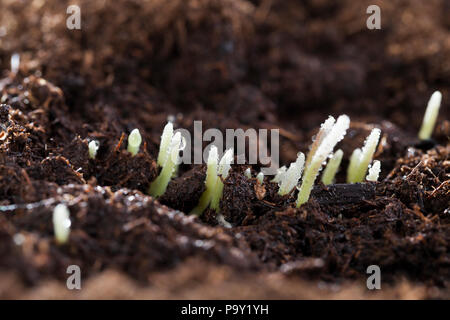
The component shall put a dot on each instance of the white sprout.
(93, 147)
(166, 137)
(367, 153)
(61, 223)
(292, 175)
(134, 142)
(429, 120)
(159, 186)
(374, 171)
(248, 173)
(260, 177)
(327, 145)
(323, 132)
(280, 175)
(332, 167)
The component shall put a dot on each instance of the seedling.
(280, 175)
(360, 160)
(290, 178)
(134, 142)
(332, 167)
(323, 132)
(61, 223)
(165, 143)
(374, 171)
(327, 145)
(431, 114)
(93, 147)
(224, 169)
(260, 177)
(214, 186)
(353, 165)
(248, 173)
(159, 186)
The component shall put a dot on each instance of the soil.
(231, 64)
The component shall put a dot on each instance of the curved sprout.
(166, 137)
(367, 153)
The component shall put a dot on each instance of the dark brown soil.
(232, 64)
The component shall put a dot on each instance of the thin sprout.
(260, 177)
(332, 167)
(211, 176)
(353, 165)
(166, 137)
(431, 114)
(224, 168)
(159, 186)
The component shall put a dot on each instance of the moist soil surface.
(231, 64)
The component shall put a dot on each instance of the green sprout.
(291, 176)
(429, 120)
(134, 142)
(260, 177)
(360, 160)
(214, 185)
(61, 223)
(165, 143)
(353, 165)
(332, 167)
(172, 158)
(328, 141)
(374, 171)
(93, 147)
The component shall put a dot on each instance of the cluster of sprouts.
(168, 159)
(215, 172)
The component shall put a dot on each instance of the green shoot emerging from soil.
(134, 142)
(172, 158)
(429, 120)
(329, 139)
(290, 178)
(360, 160)
(61, 223)
(260, 177)
(214, 185)
(93, 147)
(165, 143)
(332, 167)
(374, 171)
